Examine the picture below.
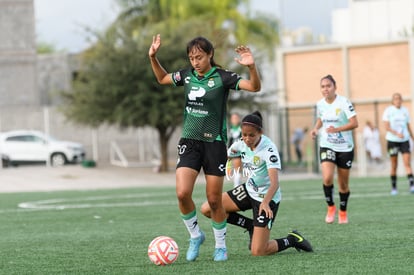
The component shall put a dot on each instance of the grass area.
(108, 231)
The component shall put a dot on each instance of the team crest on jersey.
(210, 82)
(337, 111)
(256, 160)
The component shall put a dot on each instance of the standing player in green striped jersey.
(204, 135)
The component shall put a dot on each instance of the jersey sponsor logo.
(201, 112)
(273, 158)
(336, 138)
(196, 92)
(196, 111)
(195, 103)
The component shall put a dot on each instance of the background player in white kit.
(336, 118)
(396, 120)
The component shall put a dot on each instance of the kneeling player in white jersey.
(261, 192)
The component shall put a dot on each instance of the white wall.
(372, 20)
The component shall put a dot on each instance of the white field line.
(60, 204)
(148, 199)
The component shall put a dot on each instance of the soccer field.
(108, 232)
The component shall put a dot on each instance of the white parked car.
(23, 146)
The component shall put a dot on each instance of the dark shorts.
(394, 147)
(212, 156)
(341, 159)
(241, 198)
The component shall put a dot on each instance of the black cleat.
(300, 243)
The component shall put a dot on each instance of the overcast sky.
(62, 22)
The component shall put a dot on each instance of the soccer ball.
(163, 250)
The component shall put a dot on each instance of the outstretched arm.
(246, 59)
(163, 77)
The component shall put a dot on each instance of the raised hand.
(156, 44)
(246, 56)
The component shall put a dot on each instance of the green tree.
(45, 47)
(115, 84)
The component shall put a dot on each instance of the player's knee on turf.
(258, 251)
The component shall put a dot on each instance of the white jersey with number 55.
(255, 166)
(335, 114)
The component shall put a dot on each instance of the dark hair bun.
(257, 113)
(254, 119)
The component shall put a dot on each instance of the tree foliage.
(45, 47)
(115, 84)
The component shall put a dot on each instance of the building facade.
(368, 74)
(29, 94)
(373, 20)
(17, 54)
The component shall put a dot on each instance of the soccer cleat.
(300, 243)
(220, 254)
(194, 248)
(342, 217)
(412, 189)
(330, 215)
(394, 192)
